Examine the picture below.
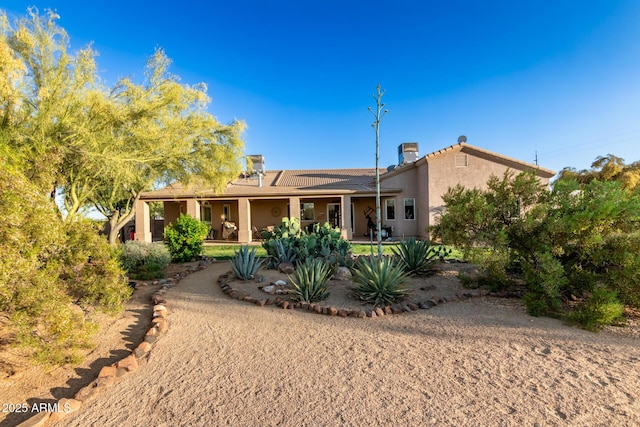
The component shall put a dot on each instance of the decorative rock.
(342, 273)
(343, 313)
(107, 371)
(333, 311)
(396, 310)
(432, 301)
(413, 306)
(284, 305)
(129, 363)
(159, 307)
(157, 299)
(87, 393)
(387, 310)
(269, 301)
(150, 339)
(153, 331)
(121, 372)
(318, 309)
(405, 308)
(144, 346)
(65, 407)
(40, 419)
(372, 314)
(261, 302)
(280, 283)
(162, 314)
(105, 382)
(269, 289)
(138, 353)
(325, 310)
(424, 305)
(379, 312)
(161, 323)
(286, 268)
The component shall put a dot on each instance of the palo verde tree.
(163, 134)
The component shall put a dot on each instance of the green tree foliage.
(572, 241)
(606, 168)
(185, 238)
(52, 274)
(98, 146)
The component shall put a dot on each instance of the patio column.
(345, 219)
(143, 222)
(244, 220)
(294, 207)
(193, 208)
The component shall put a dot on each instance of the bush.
(602, 308)
(418, 256)
(245, 264)
(52, 274)
(185, 238)
(143, 260)
(310, 280)
(379, 282)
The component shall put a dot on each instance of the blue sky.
(557, 78)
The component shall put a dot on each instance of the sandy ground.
(480, 362)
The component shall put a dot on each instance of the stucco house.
(411, 195)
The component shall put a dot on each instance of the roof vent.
(461, 139)
(407, 152)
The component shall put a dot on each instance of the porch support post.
(244, 220)
(345, 218)
(143, 222)
(193, 208)
(294, 207)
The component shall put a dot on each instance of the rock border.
(405, 307)
(110, 375)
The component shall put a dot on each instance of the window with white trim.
(390, 209)
(410, 209)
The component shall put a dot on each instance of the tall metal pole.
(376, 125)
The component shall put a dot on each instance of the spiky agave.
(245, 264)
(379, 282)
(310, 280)
(418, 256)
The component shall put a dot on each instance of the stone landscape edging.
(109, 375)
(426, 304)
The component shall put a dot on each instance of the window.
(461, 160)
(307, 213)
(226, 212)
(410, 209)
(390, 209)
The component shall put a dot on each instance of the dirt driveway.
(481, 362)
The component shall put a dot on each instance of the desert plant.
(379, 282)
(245, 264)
(600, 309)
(280, 250)
(185, 238)
(419, 256)
(310, 280)
(144, 260)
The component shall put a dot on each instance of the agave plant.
(310, 280)
(245, 264)
(379, 282)
(419, 256)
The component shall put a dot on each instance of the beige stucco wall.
(443, 174)
(411, 182)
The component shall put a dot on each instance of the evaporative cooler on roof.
(407, 152)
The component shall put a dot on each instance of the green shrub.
(310, 280)
(52, 274)
(545, 280)
(379, 282)
(143, 260)
(602, 308)
(245, 264)
(419, 256)
(185, 238)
